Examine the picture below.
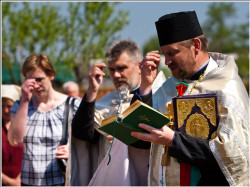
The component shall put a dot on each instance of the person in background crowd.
(37, 121)
(193, 160)
(71, 88)
(11, 156)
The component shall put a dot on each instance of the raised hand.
(149, 69)
(18, 121)
(27, 88)
(95, 76)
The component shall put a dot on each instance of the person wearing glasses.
(37, 121)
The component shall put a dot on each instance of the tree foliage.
(29, 30)
(70, 39)
(151, 44)
(228, 39)
(94, 29)
(223, 37)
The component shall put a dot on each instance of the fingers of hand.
(28, 85)
(146, 127)
(142, 136)
(145, 136)
(97, 71)
(162, 136)
(62, 154)
(153, 53)
(100, 66)
(110, 138)
(151, 59)
(63, 146)
(63, 149)
(153, 56)
(166, 136)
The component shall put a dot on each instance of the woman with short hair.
(37, 121)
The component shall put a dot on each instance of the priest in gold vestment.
(223, 160)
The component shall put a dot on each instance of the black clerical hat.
(177, 27)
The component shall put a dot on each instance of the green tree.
(151, 44)
(70, 39)
(92, 27)
(228, 39)
(29, 30)
(215, 28)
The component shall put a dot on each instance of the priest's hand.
(162, 136)
(110, 138)
(149, 69)
(95, 76)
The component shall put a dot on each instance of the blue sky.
(143, 15)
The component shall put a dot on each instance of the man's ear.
(139, 63)
(197, 45)
(138, 66)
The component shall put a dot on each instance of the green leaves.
(72, 37)
(228, 39)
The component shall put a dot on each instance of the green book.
(136, 113)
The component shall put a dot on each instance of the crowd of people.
(33, 118)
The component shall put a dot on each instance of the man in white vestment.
(223, 160)
(89, 146)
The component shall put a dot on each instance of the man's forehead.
(119, 63)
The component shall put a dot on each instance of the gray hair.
(120, 46)
(69, 83)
